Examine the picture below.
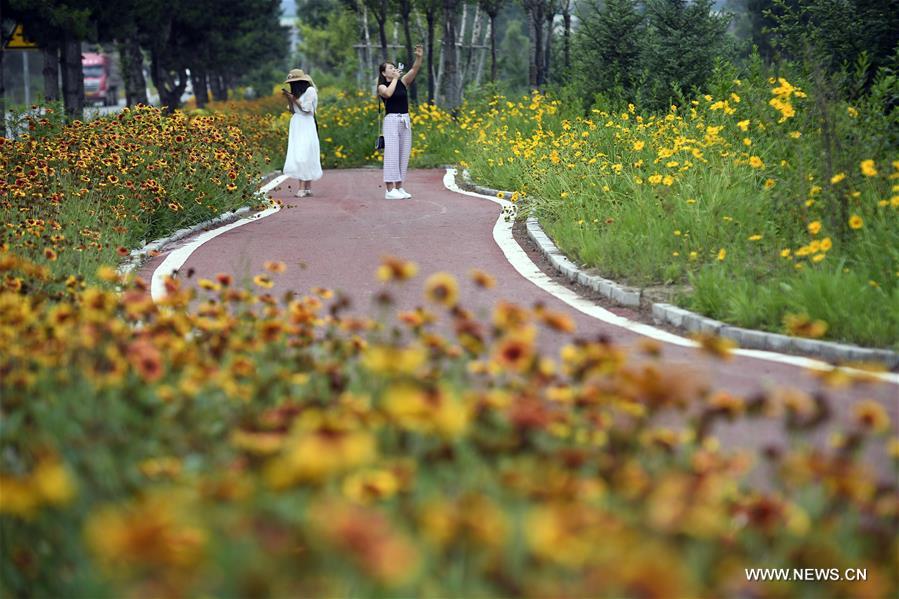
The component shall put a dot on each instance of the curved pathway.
(337, 237)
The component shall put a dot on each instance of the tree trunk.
(219, 91)
(547, 54)
(566, 48)
(482, 56)
(431, 16)
(366, 66)
(169, 82)
(132, 60)
(451, 79)
(405, 13)
(474, 39)
(493, 48)
(51, 71)
(532, 64)
(198, 81)
(538, 44)
(2, 92)
(72, 77)
(381, 18)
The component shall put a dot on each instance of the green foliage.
(324, 50)
(682, 41)
(513, 61)
(729, 194)
(608, 42)
(835, 34)
(651, 57)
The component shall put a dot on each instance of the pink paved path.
(341, 233)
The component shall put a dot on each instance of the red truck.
(100, 79)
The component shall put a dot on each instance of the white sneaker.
(394, 194)
(405, 193)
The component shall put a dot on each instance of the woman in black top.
(392, 88)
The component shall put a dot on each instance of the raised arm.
(409, 77)
(386, 91)
(291, 101)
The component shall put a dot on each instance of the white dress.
(303, 161)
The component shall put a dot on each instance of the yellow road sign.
(18, 41)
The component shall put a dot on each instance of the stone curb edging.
(137, 257)
(684, 319)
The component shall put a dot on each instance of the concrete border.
(663, 313)
(138, 256)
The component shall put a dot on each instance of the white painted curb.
(502, 234)
(179, 256)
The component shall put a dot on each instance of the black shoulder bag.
(379, 145)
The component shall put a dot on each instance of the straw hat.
(298, 75)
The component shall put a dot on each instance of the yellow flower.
(814, 227)
(755, 237)
(263, 281)
(785, 253)
(868, 169)
(394, 360)
(852, 111)
(826, 244)
(756, 162)
(872, 416)
(442, 288)
(856, 222)
(722, 254)
(395, 269)
(769, 183)
(275, 267)
(837, 178)
(795, 134)
(638, 145)
(743, 125)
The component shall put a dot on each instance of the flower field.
(253, 446)
(735, 198)
(234, 443)
(78, 196)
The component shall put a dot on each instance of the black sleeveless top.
(398, 103)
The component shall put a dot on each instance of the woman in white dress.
(303, 161)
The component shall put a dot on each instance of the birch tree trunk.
(482, 52)
(474, 40)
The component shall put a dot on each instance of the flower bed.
(78, 196)
(252, 446)
(773, 223)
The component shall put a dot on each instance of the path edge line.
(517, 257)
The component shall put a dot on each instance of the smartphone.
(400, 66)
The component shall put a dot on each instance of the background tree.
(514, 64)
(682, 41)
(452, 81)
(380, 10)
(404, 8)
(431, 9)
(63, 24)
(492, 8)
(608, 49)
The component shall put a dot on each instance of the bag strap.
(380, 120)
